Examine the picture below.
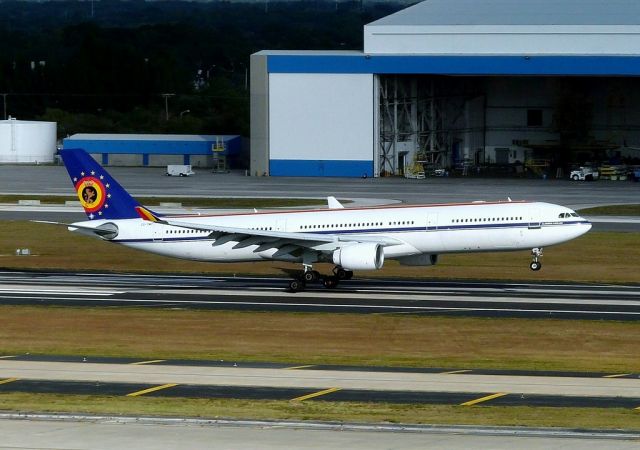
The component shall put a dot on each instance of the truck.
(179, 170)
(584, 174)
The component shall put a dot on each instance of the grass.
(604, 257)
(586, 418)
(315, 338)
(199, 202)
(613, 210)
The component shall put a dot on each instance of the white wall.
(321, 116)
(502, 39)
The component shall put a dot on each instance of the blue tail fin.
(100, 194)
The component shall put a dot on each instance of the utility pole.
(166, 105)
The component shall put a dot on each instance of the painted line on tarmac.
(61, 291)
(315, 394)
(8, 380)
(453, 372)
(152, 389)
(299, 367)
(8, 356)
(484, 399)
(153, 361)
(425, 308)
(617, 375)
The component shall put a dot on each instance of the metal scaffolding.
(419, 117)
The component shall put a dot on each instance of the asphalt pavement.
(373, 296)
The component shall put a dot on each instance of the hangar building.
(451, 84)
(156, 149)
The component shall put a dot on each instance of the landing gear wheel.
(349, 275)
(341, 273)
(311, 276)
(330, 282)
(296, 285)
(536, 254)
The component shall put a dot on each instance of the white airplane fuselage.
(418, 230)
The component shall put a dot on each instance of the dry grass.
(587, 418)
(388, 340)
(595, 257)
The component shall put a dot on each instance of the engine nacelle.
(423, 259)
(364, 256)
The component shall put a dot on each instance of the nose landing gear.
(536, 254)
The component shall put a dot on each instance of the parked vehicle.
(179, 170)
(584, 174)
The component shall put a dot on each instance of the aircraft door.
(432, 222)
(534, 220)
(281, 225)
(157, 231)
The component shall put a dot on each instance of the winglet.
(333, 203)
(146, 214)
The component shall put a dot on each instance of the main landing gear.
(536, 254)
(312, 276)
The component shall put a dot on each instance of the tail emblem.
(92, 193)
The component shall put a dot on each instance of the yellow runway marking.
(153, 389)
(148, 362)
(315, 394)
(7, 357)
(484, 399)
(299, 367)
(617, 375)
(8, 380)
(456, 371)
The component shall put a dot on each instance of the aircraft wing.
(276, 239)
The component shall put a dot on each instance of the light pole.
(186, 111)
(4, 102)
(166, 105)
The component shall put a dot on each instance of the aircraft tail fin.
(101, 196)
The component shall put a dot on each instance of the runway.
(484, 299)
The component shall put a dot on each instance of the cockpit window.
(562, 215)
(574, 215)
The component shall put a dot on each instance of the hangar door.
(321, 124)
(427, 122)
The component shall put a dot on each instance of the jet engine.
(363, 256)
(419, 260)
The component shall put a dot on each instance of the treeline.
(104, 66)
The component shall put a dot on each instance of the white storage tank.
(24, 141)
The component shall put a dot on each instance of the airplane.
(359, 238)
